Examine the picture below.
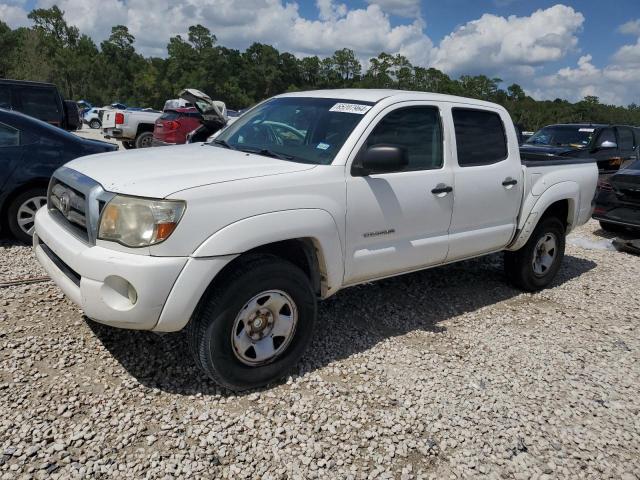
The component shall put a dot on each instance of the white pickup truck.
(134, 128)
(306, 194)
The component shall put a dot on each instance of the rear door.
(11, 151)
(399, 221)
(488, 186)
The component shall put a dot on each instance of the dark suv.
(611, 145)
(40, 100)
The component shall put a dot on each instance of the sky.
(567, 49)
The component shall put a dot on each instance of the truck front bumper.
(121, 289)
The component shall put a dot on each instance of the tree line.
(52, 50)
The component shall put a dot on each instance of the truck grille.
(75, 201)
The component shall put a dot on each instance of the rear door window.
(480, 137)
(9, 136)
(40, 103)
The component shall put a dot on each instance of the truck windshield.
(562, 136)
(300, 129)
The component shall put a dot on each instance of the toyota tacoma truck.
(307, 193)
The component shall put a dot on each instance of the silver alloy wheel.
(264, 327)
(27, 213)
(146, 141)
(544, 254)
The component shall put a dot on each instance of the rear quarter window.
(480, 137)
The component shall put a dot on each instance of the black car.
(40, 100)
(30, 150)
(612, 146)
(618, 199)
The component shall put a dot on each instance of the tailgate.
(109, 119)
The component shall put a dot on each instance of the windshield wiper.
(223, 143)
(268, 153)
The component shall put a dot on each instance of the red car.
(172, 126)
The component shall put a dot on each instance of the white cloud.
(632, 27)
(328, 10)
(616, 83)
(402, 8)
(493, 44)
(13, 15)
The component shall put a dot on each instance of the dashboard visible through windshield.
(300, 129)
(562, 136)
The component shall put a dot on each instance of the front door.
(395, 222)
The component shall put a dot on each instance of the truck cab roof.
(377, 95)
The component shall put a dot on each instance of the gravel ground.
(447, 373)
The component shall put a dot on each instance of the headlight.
(139, 222)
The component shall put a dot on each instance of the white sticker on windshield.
(590, 130)
(350, 108)
(323, 146)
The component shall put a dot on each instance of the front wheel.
(254, 325)
(536, 264)
(95, 123)
(22, 213)
(128, 145)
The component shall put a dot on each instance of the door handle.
(509, 182)
(442, 188)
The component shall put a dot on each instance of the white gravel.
(447, 373)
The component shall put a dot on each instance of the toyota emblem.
(65, 203)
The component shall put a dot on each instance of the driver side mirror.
(380, 159)
(607, 144)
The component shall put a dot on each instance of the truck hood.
(159, 172)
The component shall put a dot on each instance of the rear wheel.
(255, 324)
(95, 123)
(144, 139)
(536, 264)
(22, 213)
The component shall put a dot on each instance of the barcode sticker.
(350, 108)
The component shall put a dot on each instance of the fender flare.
(568, 190)
(315, 224)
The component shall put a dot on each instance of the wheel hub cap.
(544, 254)
(27, 213)
(264, 327)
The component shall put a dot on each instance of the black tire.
(128, 145)
(95, 123)
(612, 227)
(210, 329)
(31, 200)
(144, 139)
(519, 265)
